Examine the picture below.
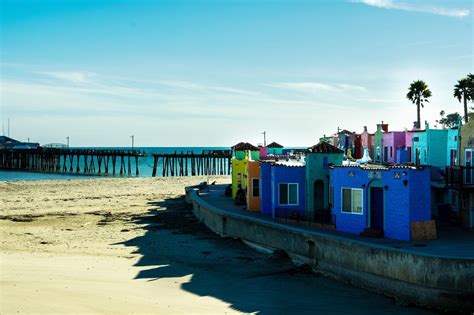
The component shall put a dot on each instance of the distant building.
(274, 149)
(10, 143)
(378, 143)
(367, 141)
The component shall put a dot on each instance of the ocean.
(145, 165)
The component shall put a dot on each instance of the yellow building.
(240, 158)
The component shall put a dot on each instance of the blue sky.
(198, 73)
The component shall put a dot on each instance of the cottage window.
(352, 200)
(288, 194)
(255, 187)
(453, 157)
(391, 152)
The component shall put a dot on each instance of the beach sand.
(132, 246)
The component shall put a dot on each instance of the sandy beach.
(132, 246)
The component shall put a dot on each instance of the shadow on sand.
(175, 244)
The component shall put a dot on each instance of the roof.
(244, 146)
(5, 139)
(377, 167)
(287, 163)
(345, 131)
(324, 147)
(274, 145)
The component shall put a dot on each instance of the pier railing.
(80, 161)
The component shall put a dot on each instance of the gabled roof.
(324, 147)
(345, 131)
(244, 146)
(274, 145)
(5, 139)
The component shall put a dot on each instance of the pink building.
(396, 146)
(367, 140)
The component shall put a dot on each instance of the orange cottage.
(253, 186)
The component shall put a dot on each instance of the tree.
(441, 113)
(451, 120)
(418, 94)
(464, 91)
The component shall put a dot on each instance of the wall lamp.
(405, 182)
(385, 187)
(363, 186)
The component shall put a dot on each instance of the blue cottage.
(379, 200)
(283, 189)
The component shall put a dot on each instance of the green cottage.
(318, 158)
(378, 142)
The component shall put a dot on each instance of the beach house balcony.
(460, 177)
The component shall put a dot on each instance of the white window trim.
(288, 194)
(342, 201)
(259, 186)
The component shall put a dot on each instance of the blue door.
(376, 208)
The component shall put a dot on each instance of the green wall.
(315, 170)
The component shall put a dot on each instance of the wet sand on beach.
(122, 246)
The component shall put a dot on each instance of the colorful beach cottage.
(378, 142)
(460, 176)
(367, 141)
(396, 147)
(253, 186)
(241, 154)
(318, 159)
(378, 200)
(283, 189)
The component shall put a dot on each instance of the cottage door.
(376, 208)
(318, 194)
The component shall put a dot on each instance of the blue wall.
(271, 177)
(266, 188)
(402, 204)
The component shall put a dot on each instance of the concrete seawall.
(422, 279)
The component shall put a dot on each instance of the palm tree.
(464, 90)
(418, 93)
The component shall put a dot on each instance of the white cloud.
(316, 87)
(186, 85)
(71, 76)
(395, 5)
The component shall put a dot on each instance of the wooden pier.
(212, 162)
(78, 161)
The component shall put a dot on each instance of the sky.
(214, 73)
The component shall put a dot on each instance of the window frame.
(352, 200)
(253, 185)
(288, 194)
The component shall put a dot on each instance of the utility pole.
(67, 139)
(264, 138)
(9, 127)
(133, 139)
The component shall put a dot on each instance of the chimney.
(365, 128)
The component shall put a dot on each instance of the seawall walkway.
(438, 274)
